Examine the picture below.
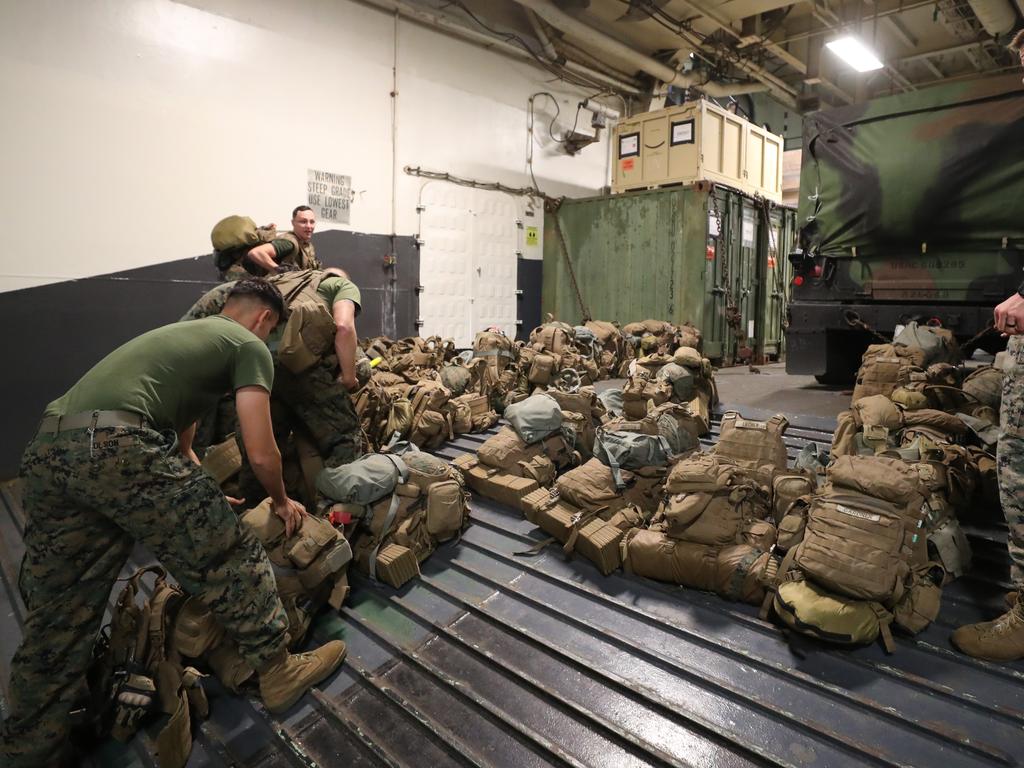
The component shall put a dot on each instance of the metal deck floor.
(497, 659)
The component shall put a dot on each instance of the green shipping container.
(696, 254)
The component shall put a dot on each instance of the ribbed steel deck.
(499, 659)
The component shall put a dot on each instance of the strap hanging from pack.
(389, 519)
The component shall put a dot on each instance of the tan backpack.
(884, 367)
(863, 532)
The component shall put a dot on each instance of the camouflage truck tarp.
(942, 166)
(911, 208)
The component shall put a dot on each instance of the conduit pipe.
(445, 23)
(609, 45)
(996, 16)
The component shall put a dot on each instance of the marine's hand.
(349, 382)
(291, 512)
(1009, 315)
(233, 501)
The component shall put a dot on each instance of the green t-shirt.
(335, 289)
(174, 374)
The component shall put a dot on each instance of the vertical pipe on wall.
(389, 321)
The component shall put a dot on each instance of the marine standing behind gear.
(1003, 638)
(112, 465)
(303, 254)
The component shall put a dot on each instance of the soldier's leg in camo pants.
(323, 410)
(85, 507)
(1010, 456)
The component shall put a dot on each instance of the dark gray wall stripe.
(529, 274)
(55, 333)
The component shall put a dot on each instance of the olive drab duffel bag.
(938, 345)
(535, 418)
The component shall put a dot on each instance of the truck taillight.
(798, 280)
(816, 272)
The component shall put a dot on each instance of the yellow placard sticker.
(532, 236)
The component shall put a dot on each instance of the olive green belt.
(51, 425)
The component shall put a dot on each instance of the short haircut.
(300, 208)
(258, 289)
(1018, 41)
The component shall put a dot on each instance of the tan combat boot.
(284, 679)
(999, 640)
(1010, 600)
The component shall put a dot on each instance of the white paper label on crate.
(898, 330)
(712, 225)
(629, 145)
(750, 329)
(329, 195)
(682, 133)
(748, 233)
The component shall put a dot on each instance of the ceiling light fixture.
(855, 53)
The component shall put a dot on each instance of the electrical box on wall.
(697, 142)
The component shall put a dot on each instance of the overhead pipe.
(449, 25)
(542, 36)
(609, 45)
(997, 17)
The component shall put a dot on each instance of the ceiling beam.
(962, 47)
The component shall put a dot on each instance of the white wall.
(131, 126)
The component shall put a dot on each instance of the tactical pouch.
(446, 509)
(196, 630)
(541, 369)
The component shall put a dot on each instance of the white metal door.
(468, 262)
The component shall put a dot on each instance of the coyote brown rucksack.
(884, 367)
(864, 529)
(309, 565)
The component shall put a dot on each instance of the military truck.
(911, 208)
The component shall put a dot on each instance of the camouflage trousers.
(87, 503)
(1010, 456)
(316, 406)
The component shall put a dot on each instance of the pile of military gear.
(686, 377)
(420, 390)
(539, 440)
(884, 367)
(658, 509)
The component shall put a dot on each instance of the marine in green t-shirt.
(174, 374)
(96, 481)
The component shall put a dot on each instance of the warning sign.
(628, 165)
(329, 195)
(532, 236)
